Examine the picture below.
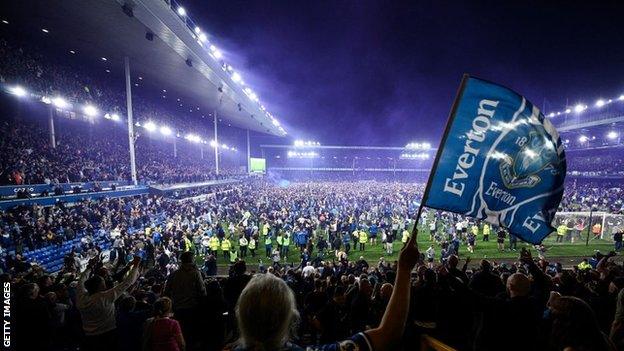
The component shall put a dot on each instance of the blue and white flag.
(500, 160)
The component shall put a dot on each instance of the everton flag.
(500, 160)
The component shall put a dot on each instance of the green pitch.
(487, 250)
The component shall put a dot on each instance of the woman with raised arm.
(266, 312)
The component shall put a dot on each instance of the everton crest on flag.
(500, 160)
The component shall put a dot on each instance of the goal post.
(601, 225)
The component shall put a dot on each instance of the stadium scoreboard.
(257, 165)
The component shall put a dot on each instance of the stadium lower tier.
(330, 249)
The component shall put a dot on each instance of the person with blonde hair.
(267, 314)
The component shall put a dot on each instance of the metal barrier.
(429, 343)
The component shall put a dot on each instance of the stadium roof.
(102, 29)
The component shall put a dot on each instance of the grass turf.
(487, 250)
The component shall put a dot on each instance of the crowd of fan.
(597, 163)
(167, 302)
(88, 150)
(97, 152)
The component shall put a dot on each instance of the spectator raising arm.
(388, 335)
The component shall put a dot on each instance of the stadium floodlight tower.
(164, 47)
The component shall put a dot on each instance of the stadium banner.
(500, 160)
(11, 190)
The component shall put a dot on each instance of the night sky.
(385, 73)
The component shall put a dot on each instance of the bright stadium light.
(90, 110)
(164, 130)
(568, 110)
(181, 11)
(612, 135)
(552, 114)
(621, 98)
(150, 126)
(578, 108)
(197, 30)
(217, 54)
(213, 143)
(60, 102)
(192, 137)
(583, 138)
(46, 100)
(18, 91)
(275, 122)
(115, 117)
(600, 103)
(236, 77)
(224, 146)
(202, 37)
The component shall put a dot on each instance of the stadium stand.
(316, 255)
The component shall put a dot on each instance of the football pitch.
(483, 250)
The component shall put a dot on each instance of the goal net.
(599, 225)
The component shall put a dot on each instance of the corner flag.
(500, 160)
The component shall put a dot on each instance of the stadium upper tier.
(166, 50)
(98, 151)
(602, 112)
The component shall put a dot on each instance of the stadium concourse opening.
(264, 176)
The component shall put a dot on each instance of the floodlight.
(150, 126)
(600, 103)
(45, 30)
(164, 130)
(181, 11)
(59, 102)
(18, 91)
(224, 146)
(612, 134)
(217, 54)
(568, 110)
(583, 138)
(90, 110)
(236, 77)
(275, 123)
(578, 108)
(621, 98)
(197, 30)
(213, 143)
(552, 114)
(46, 100)
(202, 37)
(192, 137)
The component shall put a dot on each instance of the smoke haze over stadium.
(379, 72)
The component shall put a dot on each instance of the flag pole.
(447, 128)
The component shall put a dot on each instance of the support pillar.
(131, 137)
(175, 146)
(248, 154)
(216, 139)
(51, 124)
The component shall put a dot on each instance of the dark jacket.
(185, 287)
